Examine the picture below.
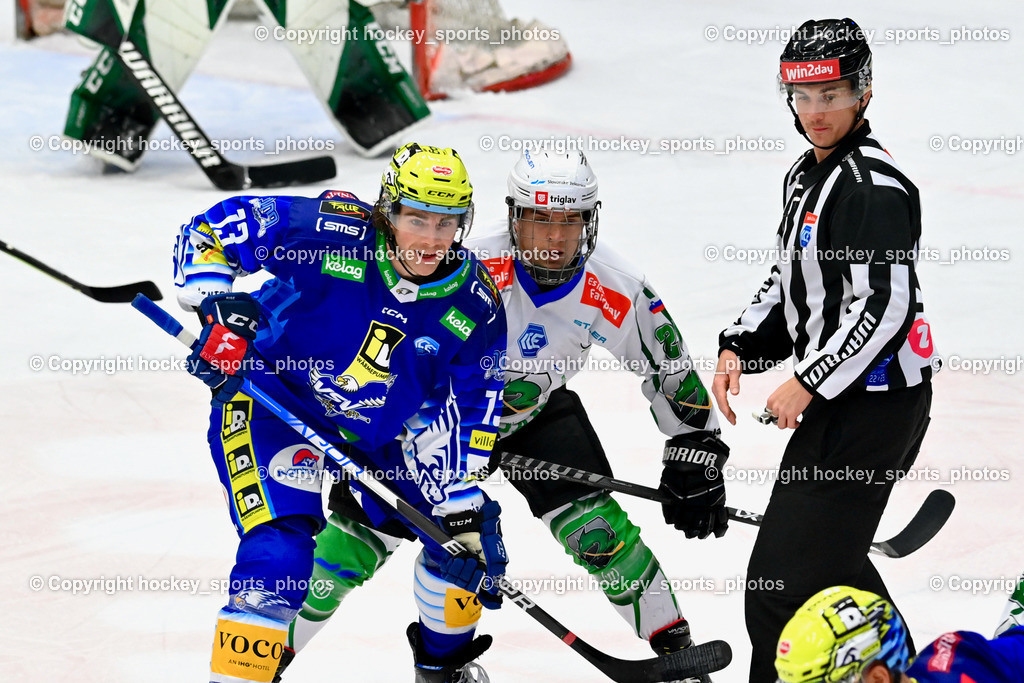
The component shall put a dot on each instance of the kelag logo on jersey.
(344, 268)
(458, 323)
(532, 340)
(805, 232)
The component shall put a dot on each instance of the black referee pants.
(820, 524)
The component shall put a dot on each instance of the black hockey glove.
(693, 479)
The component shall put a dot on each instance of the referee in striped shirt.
(843, 300)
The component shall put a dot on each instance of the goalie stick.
(691, 662)
(930, 518)
(224, 174)
(119, 294)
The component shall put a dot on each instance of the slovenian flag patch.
(657, 306)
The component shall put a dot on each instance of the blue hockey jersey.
(351, 347)
(967, 657)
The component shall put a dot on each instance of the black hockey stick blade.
(122, 294)
(691, 662)
(937, 508)
(119, 294)
(922, 528)
(224, 174)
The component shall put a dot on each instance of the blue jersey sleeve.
(450, 439)
(233, 238)
(966, 656)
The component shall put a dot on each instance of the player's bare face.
(422, 238)
(549, 238)
(827, 111)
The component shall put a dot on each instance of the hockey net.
(472, 45)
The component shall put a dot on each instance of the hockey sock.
(246, 647)
(598, 535)
(448, 614)
(347, 555)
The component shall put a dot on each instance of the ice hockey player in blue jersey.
(845, 635)
(373, 329)
(563, 294)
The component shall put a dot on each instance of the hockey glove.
(480, 569)
(693, 479)
(224, 353)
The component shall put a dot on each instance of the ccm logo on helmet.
(694, 455)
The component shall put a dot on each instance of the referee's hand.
(727, 381)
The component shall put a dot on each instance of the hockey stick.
(930, 518)
(693, 661)
(120, 294)
(221, 172)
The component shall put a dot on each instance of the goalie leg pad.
(347, 555)
(599, 536)
(110, 113)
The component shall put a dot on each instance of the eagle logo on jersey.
(366, 381)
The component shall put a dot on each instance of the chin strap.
(800, 127)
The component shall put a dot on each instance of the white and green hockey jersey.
(609, 303)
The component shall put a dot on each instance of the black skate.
(672, 638)
(286, 658)
(458, 667)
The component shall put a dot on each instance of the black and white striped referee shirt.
(843, 296)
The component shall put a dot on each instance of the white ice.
(108, 475)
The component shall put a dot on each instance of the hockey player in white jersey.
(563, 293)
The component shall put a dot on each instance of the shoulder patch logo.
(265, 210)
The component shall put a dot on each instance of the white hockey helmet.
(556, 189)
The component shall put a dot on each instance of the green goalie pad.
(359, 80)
(107, 107)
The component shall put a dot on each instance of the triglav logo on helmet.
(441, 170)
(367, 379)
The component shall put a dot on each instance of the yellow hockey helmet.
(836, 634)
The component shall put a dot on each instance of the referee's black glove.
(692, 478)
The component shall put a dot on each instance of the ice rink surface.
(108, 475)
